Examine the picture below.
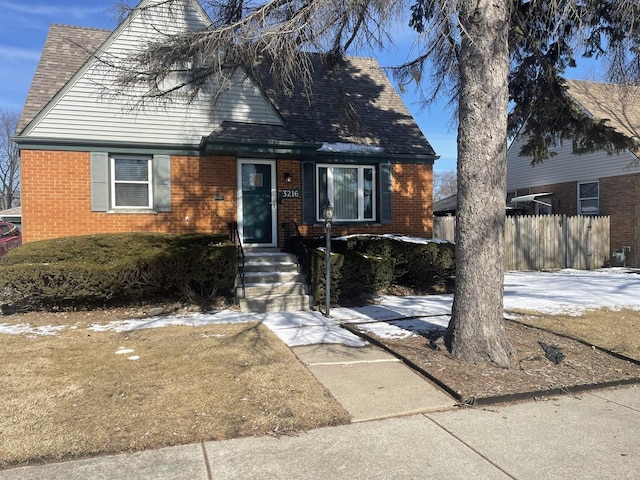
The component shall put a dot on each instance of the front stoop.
(272, 282)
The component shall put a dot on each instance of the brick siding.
(412, 206)
(619, 198)
(56, 199)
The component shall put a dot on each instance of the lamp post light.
(327, 214)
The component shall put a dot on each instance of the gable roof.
(65, 50)
(352, 102)
(617, 103)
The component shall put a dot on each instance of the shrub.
(353, 275)
(363, 265)
(417, 264)
(96, 270)
(318, 275)
(364, 275)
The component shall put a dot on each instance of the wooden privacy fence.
(545, 242)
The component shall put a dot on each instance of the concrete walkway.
(593, 435)
(370, 383)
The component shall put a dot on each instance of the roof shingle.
(607, 101)
(350, 102)
(65, 50)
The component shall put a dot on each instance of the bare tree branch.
(9, 160)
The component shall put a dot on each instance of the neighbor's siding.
(93, 108)
(56, 200)
(619, 199)
(565, 167)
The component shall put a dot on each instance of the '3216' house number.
(290, 193)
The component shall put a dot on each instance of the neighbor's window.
(588, 198)
(350, 189)
(131, 185)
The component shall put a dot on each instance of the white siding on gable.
(92, 108)
(565, 167)
(243, 102)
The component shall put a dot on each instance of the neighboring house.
(95, 162)
(593, 184)
(446, 206)
(12, 215)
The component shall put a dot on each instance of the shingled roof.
(65, 50)
(351, 101)
(618, 104)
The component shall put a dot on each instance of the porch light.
(327, 213)
(287, 177)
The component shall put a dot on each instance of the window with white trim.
(351, 189)
(588, 198)
(131, 182)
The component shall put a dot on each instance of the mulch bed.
(531, 375)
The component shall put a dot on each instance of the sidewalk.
(593, 435)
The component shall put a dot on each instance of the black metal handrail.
(294, 244)
(234, 236)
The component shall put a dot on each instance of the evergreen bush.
(111, 269)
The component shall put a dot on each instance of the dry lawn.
(618, 331)
(70, 395)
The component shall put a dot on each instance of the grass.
(71, 396)
(615, 330)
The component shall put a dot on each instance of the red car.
(10, 237)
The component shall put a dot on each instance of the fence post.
(565, 242)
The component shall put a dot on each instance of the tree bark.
(476, 331)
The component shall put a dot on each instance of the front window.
(588, 198)
(350, 189)
(131, 185)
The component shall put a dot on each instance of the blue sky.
(23, 29)
(24, 26)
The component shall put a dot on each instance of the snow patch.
(350, 148)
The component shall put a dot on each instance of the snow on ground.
(571, 292)
(568, 292)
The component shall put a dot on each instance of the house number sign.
(290, 193)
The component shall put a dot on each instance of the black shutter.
(386, 193)
(308, 193)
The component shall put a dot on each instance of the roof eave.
(249, 147)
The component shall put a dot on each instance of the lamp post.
(327, 214)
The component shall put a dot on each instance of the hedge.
(110, 269)
(367, 265)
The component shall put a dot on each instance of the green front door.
(257, 202)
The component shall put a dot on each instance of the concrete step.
(275, 303)
(277, 288)
(270, 267)
(272, 277)
(269, 257)
(272, 282)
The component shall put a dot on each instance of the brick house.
(593, 184)
(94, 162)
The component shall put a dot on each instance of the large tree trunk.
(476, 332)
